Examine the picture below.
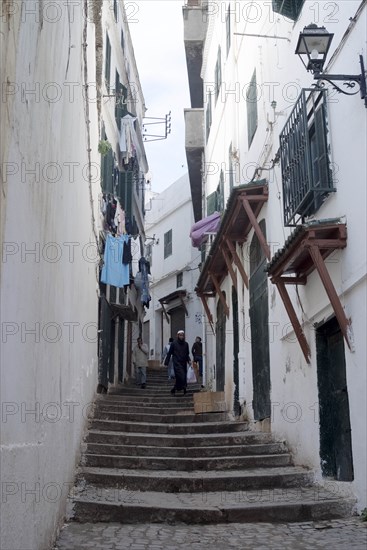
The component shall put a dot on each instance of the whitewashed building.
(124, 166)
(54, 112)
(174, 269)
(284, 281)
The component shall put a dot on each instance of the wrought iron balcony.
(305, 157)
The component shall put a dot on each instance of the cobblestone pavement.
(335, 535)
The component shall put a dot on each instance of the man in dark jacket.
(180, 352)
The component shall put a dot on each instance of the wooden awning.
(124, 312)
(243, 208)
(166, 300)
(304, 251)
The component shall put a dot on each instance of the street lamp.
(314, 43)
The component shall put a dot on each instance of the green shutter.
(211, 203)
(289, 8)
(251, 104)
(108, 63)
(125, 192)
(107, 172)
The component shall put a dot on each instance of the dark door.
(259, 319)
(104, 343)
(177, 320)
(335, 432)
(121, 346)
(236, 347)
(220, 344)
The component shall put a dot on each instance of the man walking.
(197, 352)
(180, 352)
(171, 372)
(140, 362)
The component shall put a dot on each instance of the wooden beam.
(220, 294)
(293, 318)
(184, 305)
(294, 280)
(230, 268)
(330, 291)
(238, 262)
(207, 311)
(255, 225)
(165, 312)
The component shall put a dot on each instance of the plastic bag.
(191, 378)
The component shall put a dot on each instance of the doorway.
(259, 320)
(220, 345)
(335, 431)
(178, 319)
(236, 349)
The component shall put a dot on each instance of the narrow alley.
(150, 461)
(183, 274)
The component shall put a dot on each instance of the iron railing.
(304, 153)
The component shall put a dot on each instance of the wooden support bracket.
(238, 262)
(220, 294)
(264, 245)
(230, 268)
(207, 311)
(293, 318)
(330, 291)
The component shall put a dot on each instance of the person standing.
(140, 362)
(171, 372)
(180, 352)
(197, 353)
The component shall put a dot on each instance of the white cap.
(180, 332)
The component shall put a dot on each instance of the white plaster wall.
(281, 76)
(172, 209)
(52, 371)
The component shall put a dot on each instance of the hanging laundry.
(119, 220)
(126, 254)
(110, 215)
(136, 254)
(114, 272)
(143, 268)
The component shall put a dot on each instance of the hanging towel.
(114, 272)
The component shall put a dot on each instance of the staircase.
(148, 458)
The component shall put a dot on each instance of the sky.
(156, 28)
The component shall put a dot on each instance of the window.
(149, 253)
(122, 40)
(218, 74)
(215, 201)
(108, 63)
(168, 243)
(230, 169)
(179, 279)
(289, 8)
(228, 28)
(251, 104)
(304, 152)
(208, 116)
(115, 9)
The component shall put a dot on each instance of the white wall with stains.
(48, 270)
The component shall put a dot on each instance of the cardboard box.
(206, 402)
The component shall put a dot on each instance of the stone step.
(181, 403)
(174, 429)
(177, 440)
(181, 417)
(180, 464)
(171, 481)
(150, 409)
(186, 452)
(274, 505)
(162, 399)
(149, 392)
